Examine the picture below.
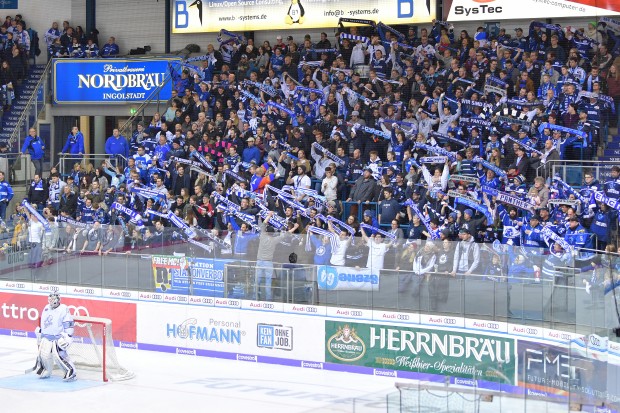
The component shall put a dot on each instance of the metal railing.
(127, 128)
(572, 172)
(35, 105)
(67, 162)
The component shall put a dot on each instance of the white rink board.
(230, 330)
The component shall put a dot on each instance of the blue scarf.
(34, 212)
(436, 149)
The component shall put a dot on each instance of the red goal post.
(93, 348)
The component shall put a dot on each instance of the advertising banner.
(109, 80)
(203, 16)
(548, 370)
(183, 275)
(346, 278)
(21, 312)
(476, 10)
(205, 330)
(422, 350)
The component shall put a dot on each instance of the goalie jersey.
(55, 321)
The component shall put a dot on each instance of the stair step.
(612, 152)
(613, 145)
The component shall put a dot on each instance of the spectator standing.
(116, 145)
(466, 255)
(6, 194)
(36, 148)
(75, 142)
(35, 237)
(268, 242)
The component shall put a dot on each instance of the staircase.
(23, 92)
(610, 154)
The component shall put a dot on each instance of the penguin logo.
(295, 13)
(198, 4)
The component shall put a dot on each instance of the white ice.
(171, 383)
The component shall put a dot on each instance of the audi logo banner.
(21, 312)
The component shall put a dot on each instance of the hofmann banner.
(183, 275)
(200, 16)
(110, 80)
(422, 350)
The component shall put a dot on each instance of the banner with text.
(422, 350)
(202, 328)
(22, 312)
(476, 10)
(346, 278)
(183, 275)
(109, 80)
(191, 16)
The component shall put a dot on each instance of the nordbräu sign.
(109, 80)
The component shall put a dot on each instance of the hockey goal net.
(93, 348)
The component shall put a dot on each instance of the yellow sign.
(202, 16)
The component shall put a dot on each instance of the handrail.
(149, 99)
(565, 162)
(24, 114)
(94, 156)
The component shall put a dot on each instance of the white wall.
(40, 14)
(136, 23)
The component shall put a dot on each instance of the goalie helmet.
(54, 300)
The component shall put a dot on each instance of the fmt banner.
(475, 10)
(110, 80)
(201, 16)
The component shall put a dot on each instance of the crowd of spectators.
(75, 43)
(15, 49)
(425, 136)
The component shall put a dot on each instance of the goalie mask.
(54, 300)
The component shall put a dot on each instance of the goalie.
(54, 336)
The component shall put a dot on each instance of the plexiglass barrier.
(538, 288)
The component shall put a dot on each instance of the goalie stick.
(37, 366)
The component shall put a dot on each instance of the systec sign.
(203, 16)
(466, 10)
(110, 80)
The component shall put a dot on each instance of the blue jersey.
(322, 252)
(87, 214)
(142, 163)
(511, 233)
(6, 192)
(579, 237)
(612, 188)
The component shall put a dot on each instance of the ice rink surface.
(171, 382)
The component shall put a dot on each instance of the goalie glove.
(64, 341)
(37, 333)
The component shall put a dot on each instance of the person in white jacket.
(445, 116)
(358, 55)
(329, 185)
(321, 162)
(439, 180)
(339, 254)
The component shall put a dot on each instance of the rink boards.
(486, 354)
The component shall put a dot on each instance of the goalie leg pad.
(62, 359)
(45, 357)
